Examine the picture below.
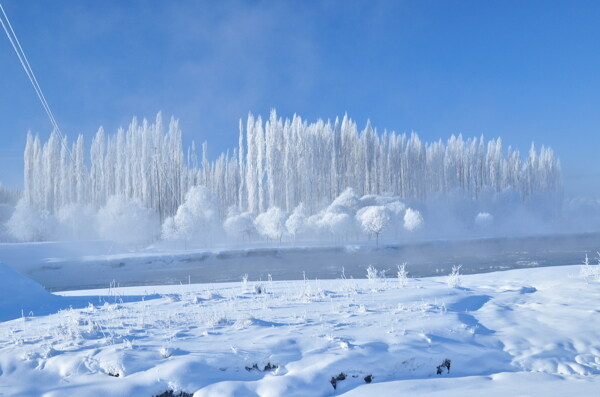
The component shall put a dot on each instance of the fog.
(63, 266)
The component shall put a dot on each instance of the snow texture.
(522, 332)
(20, 296)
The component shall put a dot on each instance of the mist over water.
(70, 268)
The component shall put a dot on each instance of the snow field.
(520, 332)
(20, 296)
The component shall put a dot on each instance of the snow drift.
(526, 332)
(21, 296)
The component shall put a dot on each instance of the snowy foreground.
(525, 332)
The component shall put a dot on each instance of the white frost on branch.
(196, 220)
(296, 222)
(240, 225)
(271, 224)
(30, 224)
(373, 219)
(279, 163)
(413, 220)
(127, 221)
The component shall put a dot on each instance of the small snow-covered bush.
(127, 221)
(402, 275)
(590, 272)
(245, 282)
(484, 219)
(454, 277)
(413, 220)
(29, 224)
(372, 273)
(165, 352)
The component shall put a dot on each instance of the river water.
(64, 271)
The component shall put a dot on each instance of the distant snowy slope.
(19, 295)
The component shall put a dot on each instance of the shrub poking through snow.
(253, 367)
(267, 367)
(454, 277)
(335, 379)
(402, 275)
(165, 352)
(445, 364)
(270, 367)
(590, 272)
(245, 282)
(171, 393)
(372, 273)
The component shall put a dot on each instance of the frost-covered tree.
(127, 221)
(396, 209)
(30, 224)
(413, 220)
(281, 163)
(337, 224)
(271, 224)
(77, 222)
(295, 225)
(196, 220)
(373, 219)
(348, 202)
(240, 225)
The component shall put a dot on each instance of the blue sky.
(523, 70)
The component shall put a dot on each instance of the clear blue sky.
(523, 70)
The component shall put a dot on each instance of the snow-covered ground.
(525, 332)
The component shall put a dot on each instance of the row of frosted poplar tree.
(277, 163)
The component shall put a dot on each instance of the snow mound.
(21, 296)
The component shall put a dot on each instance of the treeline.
(278, 163)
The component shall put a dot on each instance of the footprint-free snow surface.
(21, 296)
(526, 332)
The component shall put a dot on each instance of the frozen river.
(77, 265)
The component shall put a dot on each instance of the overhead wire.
(14, 41)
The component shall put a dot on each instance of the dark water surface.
(288, 263)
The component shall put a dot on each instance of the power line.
(14, 41)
